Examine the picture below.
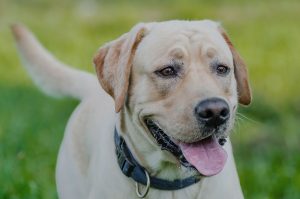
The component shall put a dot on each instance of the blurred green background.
(266, 33)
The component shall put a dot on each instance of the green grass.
(266, 33)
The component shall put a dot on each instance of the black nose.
(212, 112)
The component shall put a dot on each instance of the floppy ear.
(240, 72)
(113, 64)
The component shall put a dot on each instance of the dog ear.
(113, 64)
(240, 72)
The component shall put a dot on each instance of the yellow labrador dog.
(159, 125)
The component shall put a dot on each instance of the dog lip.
(221, 140)
(150, 122)
(194, 141)
(166, 142)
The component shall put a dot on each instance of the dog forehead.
(163, 38)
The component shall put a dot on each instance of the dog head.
(182, 80)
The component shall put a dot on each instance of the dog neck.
(148, 154)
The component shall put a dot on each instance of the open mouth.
(166, 143)
(206, 155)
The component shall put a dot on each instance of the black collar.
(131, 168)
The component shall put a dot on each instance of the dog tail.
(49, 74)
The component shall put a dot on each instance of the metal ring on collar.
(138, 193)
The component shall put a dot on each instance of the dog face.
(181, 80)
(179, 69)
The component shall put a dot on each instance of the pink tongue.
(206, 155)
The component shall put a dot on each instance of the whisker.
(243, 117)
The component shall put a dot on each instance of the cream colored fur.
(87, 165)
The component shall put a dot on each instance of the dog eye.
(222, 69)
(167, 72)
